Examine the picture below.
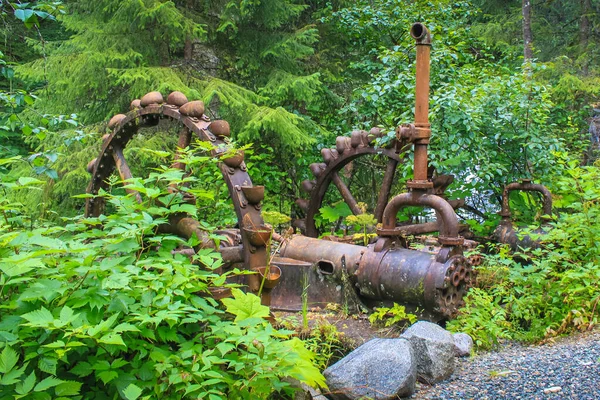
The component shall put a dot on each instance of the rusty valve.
(506, 232)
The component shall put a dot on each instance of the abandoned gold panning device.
(323, 271)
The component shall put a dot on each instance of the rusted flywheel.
(347, 149)
(148, 111)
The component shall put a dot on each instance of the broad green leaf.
(47, 384)
(332, 214)
(48, 365)
(82, 369)
(12, 376)
(55, 345)
(112, 338)
(103, 326)
(7, 337)
(27, 385)
(107, 376)
(8, 359)
(40, 318)
(17, 268)
(245, 305)
(26, 181)
(132, 392)
(68, 388)
(124, 327)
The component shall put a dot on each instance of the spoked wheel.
(331, 173)
(371, 179)
(189, 115)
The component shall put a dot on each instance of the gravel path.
(566, 369)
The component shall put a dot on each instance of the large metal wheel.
(189, 115)
(331, 173)
(360, 152)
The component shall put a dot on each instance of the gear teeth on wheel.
(152, 98)
(317, 169)
(135, 104)
(177, 99)
(347, 148)
(308, 185)
(376, 132)
(329, 155)
(194, 109)
(299, 224)
(114, 121)
(359, 138)
(220, 128)
(303, 204)
(342, 143)
(91, 165)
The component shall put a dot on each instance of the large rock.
(379, 369)
(463, 344)
(433, 347)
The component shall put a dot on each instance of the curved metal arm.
(526, 186)
(445, 212)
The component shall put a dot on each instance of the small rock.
(463, 344)
(434, 350)
(304, 391)
(380, 369)
(553, 389)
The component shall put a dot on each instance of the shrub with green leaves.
(114, 313)
(389, 316)
(551, 290)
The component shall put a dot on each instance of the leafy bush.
(551, 290)
(482, 318)
(389, 316)
(112, 312)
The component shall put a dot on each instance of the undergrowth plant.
(550, 290)
(102, 308)
(390, 316)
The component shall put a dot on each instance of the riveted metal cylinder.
(435, 282)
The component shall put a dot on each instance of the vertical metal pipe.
(420, 33)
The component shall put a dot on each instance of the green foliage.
(362, 222)
(548, 291)
(275, 218)
(113, 312)
(483, 319)
(333, 213)
(328, 344)
(390, 316)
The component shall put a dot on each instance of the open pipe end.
(420, 33)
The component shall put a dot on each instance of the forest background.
(514, 87)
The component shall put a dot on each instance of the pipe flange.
(451, 241)
(419, 184)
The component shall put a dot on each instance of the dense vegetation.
(100, 312)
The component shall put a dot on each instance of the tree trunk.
(527, 36)
(584, 32)
(188, 50)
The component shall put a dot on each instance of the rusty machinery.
(506, 232)
(324, 271)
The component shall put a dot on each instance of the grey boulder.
(434, 351)
(379, 369)
(463, 344)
